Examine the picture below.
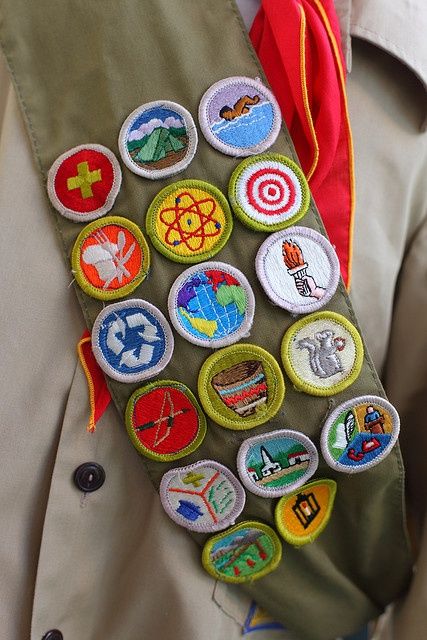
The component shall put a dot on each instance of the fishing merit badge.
(211, 304)
(239, 116)
(83, 183)
(164, 420)
(110, 258)
(359, 433)
(298, 269)
(158, 139)
(203, 497)
(132, 340)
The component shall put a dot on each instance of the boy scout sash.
(79, 69)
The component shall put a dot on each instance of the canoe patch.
(359, 433)
(189, 221)
(322, 353)
(83, 182)
(132, 340)
(298, 269)
(203, 497)
(243, 553)
(239, 116)
(241, 387)
(302, 516)
(268, 192)
(158, 139)
(273, 464)
(212, 305)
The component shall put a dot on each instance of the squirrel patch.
(323, 353)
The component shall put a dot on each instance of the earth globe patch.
(212, 305)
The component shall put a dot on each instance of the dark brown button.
(89, 476)
(53, 634)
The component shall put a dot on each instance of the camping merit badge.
(203, 497)
(239, 116)
(359, 433)
(241, 387)
(158, 139)
(83, 182)
(189, 221)
(302, 516)
(132, 340)
(244, 553)
(212, 304)
(110, 258)
(298, 269)
(268, 192)
(322, 353)
(164, 420)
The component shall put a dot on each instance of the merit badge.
(302, 516)
(359, 433)
(212, 304)
(241, 387)
(158, 139)
(276, 463)
(110, 258)
(189, 221)
(83, 182)
(268, 192)
(244, 553)
(202, 497)
(239, 116)
(164, 420)
(259, 620)
(132, 340)
(322, 353)
(298, 269)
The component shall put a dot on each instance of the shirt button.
(53, 634)
(88, 477)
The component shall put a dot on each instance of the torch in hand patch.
(297, 267)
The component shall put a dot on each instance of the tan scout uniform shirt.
(110, 565)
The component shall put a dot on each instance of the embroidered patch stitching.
(258, 620)
(150, 340)
(315, 279)
(268, 192)
(85, 180)
(221, 133)
(370, 444)
(299, 459)
(212, 305)
(166, 426)
(244, 558)
(222, 496)
(247, 392)
(108, 260)
(323, 354)
(198, 214)
(169, 134)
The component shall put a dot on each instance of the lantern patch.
(273, 464)
(298, 269)
(303, 515)
(322, 353)
(83, 182)
(189, 221)
(241, 387)
(110, 258)
(212, 305)
(268, 192)
(164, 420)
(158, 139)
(359, 433)
(203, 497)
(244, 553)
(132, 340)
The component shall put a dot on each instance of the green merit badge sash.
(79, 70)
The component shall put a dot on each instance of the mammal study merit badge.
(83, 182)
(203, 497)
(164, 420)
(110, 258)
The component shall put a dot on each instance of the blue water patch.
(248, 129)
(356, 446)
